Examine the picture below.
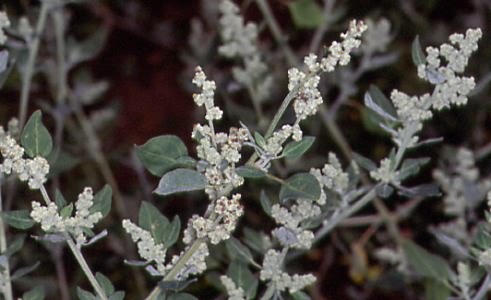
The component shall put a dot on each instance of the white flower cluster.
(461, 178)
(385, 172)
(34, 171)
(4, 23)
(272, 271)
(51, 221)
(206, 96)
(234, 292)
(292, 234)
(216, 229)
(331, 177)
(377, 36)
(147, 247)
(240, 41)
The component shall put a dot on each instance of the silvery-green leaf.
(285, 236)
(152, 271)
(436, 290)
(21, 272)
(435, 77)
(265, 202)
(425, 263)
(35, 138)
(89, 92)
(84, 295)
(376, 101)
(182, 296)
(300, 296)
(15, 245)
(297, 149)
(237, 250)
(364, 162)
(171, 232)
(19, 219)
(105, 283)
(481, 86)
(80, 51)
(306, 14)
(249, 172)
(52, 238)
(417, 53)
(428, 142)
(384, 190)
(175, 285)
(452, 244)
(4, 60)
(66, 211)
(411, 166)
(243, 277)
(59, 200)
(152, 220)
(36, 293)
(254, 240)
(102, 201)
(136, 263)
(119, 295)
(162, 154)
(482, 240)
(260, 140)
(423, 190)
(97, 237)
(300, 186)
(180, 180)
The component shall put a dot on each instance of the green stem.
(7, 290)
(181, 263)
(31, 61)
(85, 267)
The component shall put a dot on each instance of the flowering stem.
(31, 61)
(85, 267)
(7, 288)
(181, 263)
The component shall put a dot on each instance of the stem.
(85, 267)
(60, 55)
(269, 292)
(181, 263)
(7, 290)
(31, 61)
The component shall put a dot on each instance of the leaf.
(376, 101)
(182, 296)
(297, 149)
(411, 166)
(265, 202)
(59, 199)
(243, 277)
(36, 293)
(102, 201)
(260, 140)
(425, 263)
(249, 172)
(152, 220)
(482, 239)
(171, 232)
(254, 240)
(384, 190)
(180, 180)
(84, 295)
(300, 296)
(35, 138)
(87, 49)
(19, 219)
(4, 60)
(119, 295)
(105, 283)
(21, 272)
(300, 186)
(306, 13)
(96, 238)
(175, 285)
(15, 246)
(364, 162)
(436, 290)
(417, 53)
(161, 154)
(237, 250)
(423, 190)
(66, 211)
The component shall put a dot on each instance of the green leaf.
(182, 296)
(482, 239)
(254, 240)
(61, 162)
(306, 13)
(265, 202)
(376, 101)
(59, 199)
(105, 283)
(102, 201)
(300, 296)
(171, 232)
(411, 166)
(119, 295)
(435, 290)
(364, 162)
(302, 185)
(243, 277)
(19, 219)
(237, 250)
(36, 293)
(425, 263)
(152, 220)
(384, 190)
(162, 154)
(35, 138)
(84, 295)
(260, 140)
(21, 272)
(249, 172)
(417, 53)
(16, 245)
(180, 180)
(80, 51)
(66, 211)
(297, 149)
